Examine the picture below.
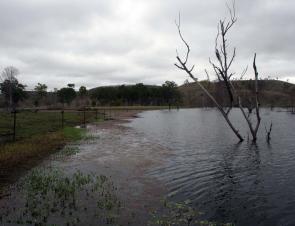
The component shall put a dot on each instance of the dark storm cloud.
(105, 42)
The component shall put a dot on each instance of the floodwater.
(189, 154)
(243, 183)
(112, 150)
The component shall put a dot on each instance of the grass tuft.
(74, 133)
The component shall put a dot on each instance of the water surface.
(242, 183)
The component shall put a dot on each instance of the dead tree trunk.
(268, 132)
(253, 129)
(183, 66)
(222, 71)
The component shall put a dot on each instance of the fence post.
(104, 114)
(14, 125)
(84, 117)
(62, 119)
(95, 114)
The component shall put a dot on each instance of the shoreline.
(16, 158)
(121, 153)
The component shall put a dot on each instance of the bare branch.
(192, 68)
(232, 59)
(181, 68)
(232, 12)
(180, 35)
(244, 72)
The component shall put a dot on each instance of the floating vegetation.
(90, 138)
(179, 214)
(49, 197)
(68, 150)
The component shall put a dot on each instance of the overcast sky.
(106, 42)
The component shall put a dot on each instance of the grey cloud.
(111, 42)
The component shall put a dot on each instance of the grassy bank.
(130, 108)
(38, 134)
(30, 123)
(25, 153)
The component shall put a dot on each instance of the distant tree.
(186, 82)
(41, 90)
(71, 85)
(141, 92)
(82, 91)
(170, 93)
(12, 90)
(66, 95)
(8, 76)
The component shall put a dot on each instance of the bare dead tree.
(223, 71)
(224, 75)
(182, 65)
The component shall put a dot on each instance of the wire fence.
(24, 123)
(21, 124)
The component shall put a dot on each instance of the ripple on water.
(241, 183)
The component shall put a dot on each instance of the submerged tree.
(222, 69)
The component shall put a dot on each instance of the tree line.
(139, 94)
(13, 92)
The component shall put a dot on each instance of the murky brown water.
(120, 153)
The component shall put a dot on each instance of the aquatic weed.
(179, 214)
(49, 194)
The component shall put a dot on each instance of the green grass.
(37, 136)
(73, 133)
(131, 108)
(27, 152)
(30, 123)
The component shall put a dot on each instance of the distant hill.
(273, 93)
